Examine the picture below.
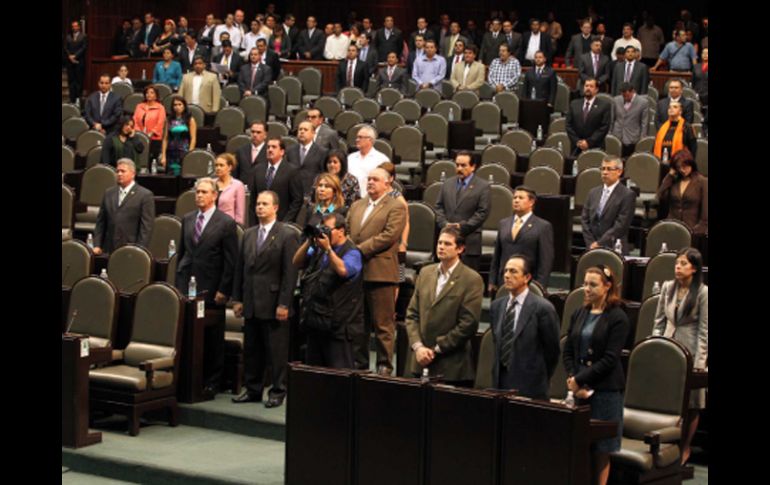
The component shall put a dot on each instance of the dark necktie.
(261, 238)
(253, 74)
(585, 110)
(270, 175)
(596, 65)
(508, 331)
(198, 229)
(390, 73)
(627, 77)
(350, 73)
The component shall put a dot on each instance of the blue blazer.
(171, 76)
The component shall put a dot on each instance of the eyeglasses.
(362, 136)
(609, 169)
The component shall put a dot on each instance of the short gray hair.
(616, 160)
(371, 131)
(127, 161)
(206, 180)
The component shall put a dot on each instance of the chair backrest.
(497, 172)
(96, 180)
(443, 107)
(77, 261)
(231, 121)
(93, 309)
(157, 322)
(130, 267)
(67, 206)
(347, 119)
(500, 203)
(87, 140)
(276, 128)
(612, 145)
(409, 109)
(502, 154)
(558, 385)
(166, 228)
(487, 116)
(652, 92)
(554, 139)
(72, 127)
(164, 90)
(586, 180)
(132, 101)
(255, 108)
(171, 269)
(557, 125)
(547, 157)
(422, 220)
(67, 159)
(311, 80)
(561, 103)
(590, 159)
(367, 108)
(299, 117)
(486, 92)
(122, 89)
(232, 93)
(185, 203)
(196, 163)
(143, 159)
(389, 96)
(660, 268)
(599, 256)
(236, 142)
(382, 145)
(69, 111)
(278, 100)
(293, 88)
(543, 180)
(519, 140)
(349, 95)
(408, 144)
(431, 192)
(645, 145)
(289, 141)
(436, 168)
(446, 88)
(702, 156)
(427, 98)
(509, 104)
(573, 302)
(645, 321)
(674, 233)
(329, 106)
(644, 170)
(656, 386)
(486, 363)
(466, 99)
(94, 156)
(436, 129)
(411, 88)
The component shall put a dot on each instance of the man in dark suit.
(308, 157)
(423, 30)
(127, 213)
(463, 203)
(594, 64)
(674, 94)
(269, 58)
(448, 42)
(457, 58)
(325, 136)
(512, 38)
(136, 37)
(473, 33)
(534, 41)
(254, 77)
(631, 71)
(392, 75)
(523, 233)
(231, 59)
(207, 251)
(310, 42)
(251, 154)
(388, 39)
(588, 119)
(206, 34)
(542, 79)
(281, 177)
(368, 54)
(490, 44)
(150, 32)
(75, 48)
(289, 28)
(263, 289)
(352, 71)
(607, 41)
(103, 108)
(443, 314)
(189, 50)
(525, 330)
(579, 44)
(608, 209)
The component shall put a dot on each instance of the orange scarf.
(676, 144)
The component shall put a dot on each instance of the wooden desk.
(74, 394)
(555, 209)
(110, 66)
(190, 388)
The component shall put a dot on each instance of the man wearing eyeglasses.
(608, 209)
(367, 158)
(324, 136)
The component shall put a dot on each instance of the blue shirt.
(352, 260)
(429, 71)
(463, 184)
(683, 60)
(171, 76)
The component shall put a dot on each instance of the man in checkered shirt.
(504, 71)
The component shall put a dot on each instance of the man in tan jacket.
(470, 75)
(376, 223)
(201, 87)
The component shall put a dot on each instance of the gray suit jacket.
(397, 81)
(613, 222)
(586, 69)
(315, 163)
(691, 330)
(490, 47)
(131, 222)
(535, 351)
(244, 171)
(470, 210)
(629, 126)
(327, 138)
(534, 240)
(640, 77)
(266, 279)
(575, 50)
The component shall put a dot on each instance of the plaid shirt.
(506, 74)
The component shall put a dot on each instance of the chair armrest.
(419, 264)
(670, 434)
(157, 364)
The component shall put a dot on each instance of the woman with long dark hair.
(179, 135)
(685, 191)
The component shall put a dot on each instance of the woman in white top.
(122, 76)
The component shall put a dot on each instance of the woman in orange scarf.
(675, 133)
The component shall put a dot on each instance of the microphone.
(72, 320)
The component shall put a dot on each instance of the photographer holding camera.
(332, 310)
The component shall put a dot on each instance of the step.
(69, 477)
(161, 454)
(247, 419)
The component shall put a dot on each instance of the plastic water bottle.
(208, 148)
(379, 99)
(416, 123)
(491, 178)
(655, 288)
(663, 247)
(428, 109)
(192, 288)
(569, 400)
(665, 155)
(618, 246)
(103, 274)
(451, 114)
(425, 375)
(144, 74)
(288, 122)
(98, 143)
(533, 93)
(154, 166)
(90, 240)
(515, 125)
(171, 248)
(533, 147)
(560, 147)
(210, 167)
(539, 132)
(574, 167)
(443, 176)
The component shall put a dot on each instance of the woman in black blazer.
(591, 355)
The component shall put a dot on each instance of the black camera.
(312, 231)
